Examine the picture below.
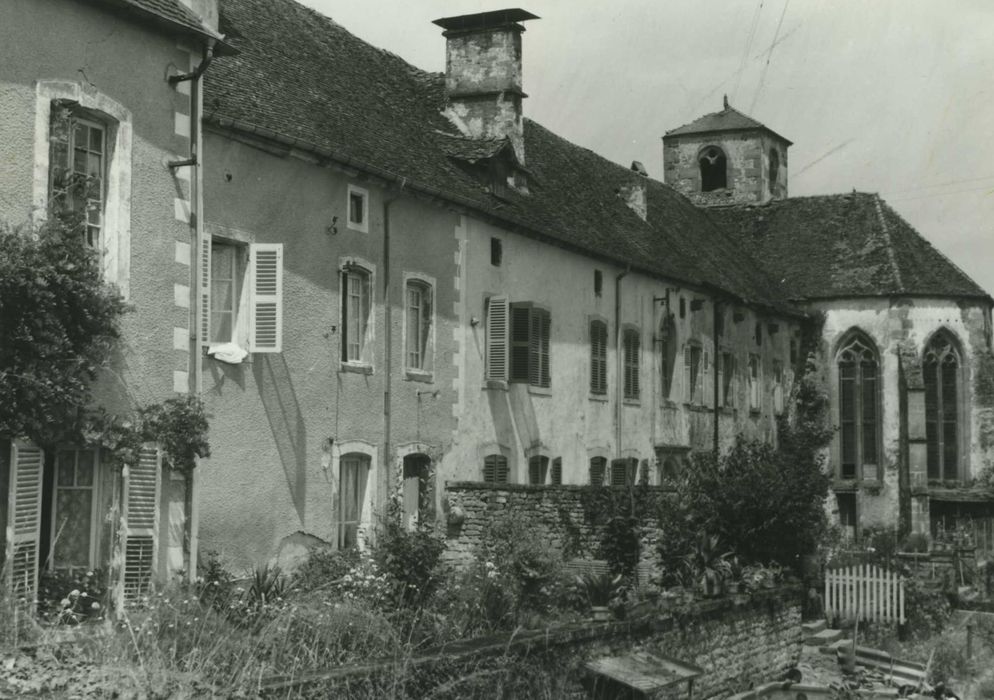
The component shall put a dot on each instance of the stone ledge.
(543, 488)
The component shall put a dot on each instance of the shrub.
(325, 567)
(523, 558)
(948, 660)
(927, 607)
(621, 544)
(70, 598)
(409, 557)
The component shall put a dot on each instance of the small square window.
(358, 203)
(496, 252)
(598, 282)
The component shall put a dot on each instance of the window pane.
(85, 466)
(72, 527)
(66, 467)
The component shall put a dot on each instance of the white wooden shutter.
(266, 299)
(140, 518)
(24, 519)
(204, 307)
(497, 345)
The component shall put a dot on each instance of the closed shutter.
(495, 469)
(204, 280)
(497, 341)
(545, 376)
(140, 515)
(598, 357)
(266, 302)
(557, 471)
(619, 472)
(537, 469)
(597, 468)
(24, 519)
(535, 348)
(521, 349)
(688, 378)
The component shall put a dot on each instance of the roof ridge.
(891, 255)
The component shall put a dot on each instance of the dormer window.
(714, 171)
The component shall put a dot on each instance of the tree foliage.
(58, 323)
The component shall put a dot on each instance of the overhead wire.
(748, 48)
(769, 57)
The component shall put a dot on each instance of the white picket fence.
(866, 591)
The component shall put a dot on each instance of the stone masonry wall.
(568, 516)
(738, 642)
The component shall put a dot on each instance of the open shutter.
(520, 342)
(140, 516)
(534, 347)
(204, 307)
(24, 519)
(266, 303)
(497, 310)
(546, 374)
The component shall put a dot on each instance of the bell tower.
(726, 158)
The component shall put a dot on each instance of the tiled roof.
(728, 119)
(471, 150)
(301, 78)
(166, 12)
(843, 245)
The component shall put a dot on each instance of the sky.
(887, 96)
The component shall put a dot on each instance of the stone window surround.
(426, 372)
(963, 395)
(116, 258)
(841, 341)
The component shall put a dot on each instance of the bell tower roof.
(728, 119)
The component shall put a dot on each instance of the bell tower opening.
(714, 169)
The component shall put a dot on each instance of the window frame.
(725, 367)
(365, 332)
(755, 383)
(597, 465)
(426, 341)
(239, 253)
(501, 465)
(538, 470)
(721, 157)
(867, 351)
(694, 390)
(354, 191)
(361, 460)
(536, 347)
(97, 497)
(79, 116)
(948, 347)
(778, 388)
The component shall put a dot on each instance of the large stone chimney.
(483, 74)
(205, 10)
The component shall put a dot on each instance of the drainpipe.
(388, 343)
(618, 360)
(197, 220)
(716, 309)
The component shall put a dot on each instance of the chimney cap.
(484, 20)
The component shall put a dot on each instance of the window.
(777, 387)
(683, 307)
(242, 299)
(352, 478)
(726, 375)
(847, 516)
(496, 252)
(495, 469)
(538, 468)
(417, 490)
(941, 368)
(598, 357)
(758, 334)
(667, 348)
(355, 314)
(598, 465)
(774, 169)
(755, 384)
(418, 329)
(714, 174)
(358, 209)
(530, 328)
(598, 283)
(224, 292)
(695, 362)
(624, 471)
(858, 400)
(77, 169)
(74, 511)
(631, 342)
(557, 471)
(668, 470)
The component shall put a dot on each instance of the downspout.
(388, 342)
(618, 361)
(197, 220)
(716, 309)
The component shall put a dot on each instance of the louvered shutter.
(619, 472)
(688, 378)
(140, 517)
(535, 348)
(497, 341)
(24, 519)
(598, 357)
(545, 376)
(266, 299)
(495, 469)
(597, 465)
(520, 346)
(557, 471)
(204, 307)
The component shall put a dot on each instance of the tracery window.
(858, 410)
(941, 369)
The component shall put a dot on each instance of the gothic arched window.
(859, 417)
(714, 173)
(941, 369)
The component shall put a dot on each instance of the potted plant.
(599, 589)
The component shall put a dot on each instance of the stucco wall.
(273, 471)
(748, 167)
(892, 324)
(566, 420)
